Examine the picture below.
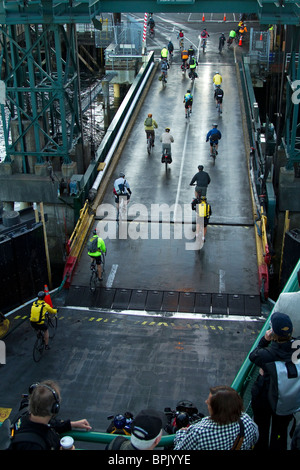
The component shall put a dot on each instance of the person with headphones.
(38, 427)
(38, 313)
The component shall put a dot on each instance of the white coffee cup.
(67, 442)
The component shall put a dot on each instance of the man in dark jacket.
(202, 180)
(275, 345)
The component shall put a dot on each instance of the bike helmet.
(94, 232)
(188, 91)
(167, 129)
(122, 175)
(149, 115)
(41, 294)
(119, 421)
(215, 125)
(217, 72)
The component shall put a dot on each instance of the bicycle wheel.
(38, 348)
(103, 262)
(149, 145)
(52, 325)
(93, 281)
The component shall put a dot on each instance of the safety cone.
(240, 41)
(203, 17)
(47, 296)
(261, 37)
(224, 19)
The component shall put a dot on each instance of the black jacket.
(48, 437)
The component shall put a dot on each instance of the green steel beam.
(71, 11)
(42, 92)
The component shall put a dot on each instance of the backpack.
(203, 34)
(92, 245)
(284, 389)
(185, 54)
(148, 122)
(8, 437)
(215, 136)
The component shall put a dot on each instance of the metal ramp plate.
(164, 301)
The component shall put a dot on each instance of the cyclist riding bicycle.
(213, 136)
(38, 313)
(203, 213)
(219, 95)
(188, 101)
(193, 65)
(150, 124)
(164, 70)
(232, 36)
(217, 80)
(222, 40)
(151, 24)
(166, 139)
(204, 35)
(180, 37)
(164, 53)
(96, 247)
(170, 48)
(184, 58)
(121, 188)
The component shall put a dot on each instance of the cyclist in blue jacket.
(213, 136)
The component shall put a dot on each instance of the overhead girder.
(70, 11)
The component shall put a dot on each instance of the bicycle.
(39, 345)
(94, 279)
(219, 107)
(166, 157)
(164, 79)
(181, 44)
(213, 153)
(189, 112)
(149, 142)
(184, 67)
(203, 44)
(151, 32)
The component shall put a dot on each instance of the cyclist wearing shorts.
(101, 248)
(38, 313)
(150, 124)
(219, 95)
(217, 80)
(188, 101)
(214, 135)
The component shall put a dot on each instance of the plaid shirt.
(209, 435)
